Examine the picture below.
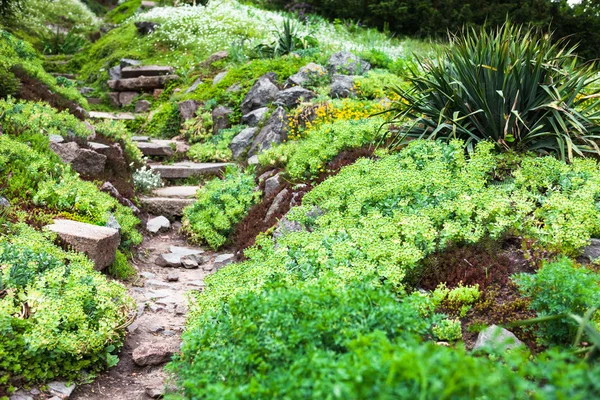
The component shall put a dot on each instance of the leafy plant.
(61, 43)
(9, 84)
(513, 86)
(288, 39)
(145, 179)
(120, 268)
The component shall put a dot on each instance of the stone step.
(148, 4)
(187, 169)
(165, 206)
(146, 70)
(68, 76)
(99, 243)
(158, 147)
(141, 83)
(107, 115)
(177, 192)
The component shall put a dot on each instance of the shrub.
(60, 43)
(215, 149)
(288, 39)
(220, 204)
(165, 123)
(145, 179)
(560, 287)
(120, 268)
(512, 86)
(58, 315)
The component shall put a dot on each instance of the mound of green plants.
(306, 315)
(58, 316)
(219, 205)
(123, 11)
(513, 86)
(16, 54)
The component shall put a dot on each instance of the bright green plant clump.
(215, 149)
(560, 287)
(123, 11)
(58, 315)
(220, 204)
(512, 86)
(290, 38)
(120, 268)
(165, 123)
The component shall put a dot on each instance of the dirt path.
(161, 313)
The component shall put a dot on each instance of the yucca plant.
(512, 85)
(288, 39)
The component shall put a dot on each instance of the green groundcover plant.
(513, 86)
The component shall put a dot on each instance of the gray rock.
(86, 162)
(242, 142)
(497, 337)
(222, 260)
(187, 109)
(98, 147)
(19, 395)
(112, 222)
(307, 74)
(273, 185)
(221, 118)
(254, 118)
(286, 226)
(4, 202)
(146, 27)
(270, 173)
(155, 392)
(140, 84)
(155, 283)
(158, 224)
(140, 139)
(592, 251)
(342, 86)
(193, 260)
(153, 354)
(142, 106)
(173, 276)
(293, 96)
(128, 62)
(219, 77)
(97, 242)
(261, 94)
(147, 275)
(61, 389)
(108, 187)
(185, 251)
(168, 260)
(236, 87)
(194, 86)
(86, 90)
(126, 98)
(180, 309)
(253, 160)
(156, 329)
(346, 63)
(133, 327)
(114, 73)
(278, 203)
(56, 139)
(274, 132)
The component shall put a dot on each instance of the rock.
(185, 251)
(114, 99)
(142, 106)
(286, 226)
(143, 83)
(113, 116)
(254, 118)
(173, 276)
(108, 187)
(133, 327)
(4, 202)
(126, 98)
(146, 4)
(307, 74)
(261, 94)
(86, 90)
(114, 73)
(497, 337)
(342, 86)
(97, 242)
(293, 96)
(278, 203)
(154, 392)
(344, 62)
(158, 224)
(112, 222)
(186, 169)
(146, 27)
(168, 260)
(242, 142)
(236, 87)
(128, 62)
(274, 132)
(155, 283)
(194, 86)
(187, 109)
(56, 139)
(592, 251)
(222, 260)
(61, 389)
(153, 354)
(219, 77)
(158, 148)
(253, 160)
(155, 307)
(147, 275)
(140, 139)
(146, 70)
(180, 309)
(213, 58)
(20, 395)
(167, 206)
(98, 147)
(273, 185)
(86, 162)
(180, 192)
(221, 118)
(156, 329)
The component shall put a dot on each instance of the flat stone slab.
(141, 83)
(153, 354)
(97, 242)
(140, 139)
(178, 192)
(184, 170)
(167, 206)
(115, 116)
(146, 70)
(155, 149)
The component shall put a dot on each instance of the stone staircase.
(130, 80)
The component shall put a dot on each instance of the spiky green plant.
(512, 85)
(288, 39)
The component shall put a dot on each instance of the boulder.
(293, 96)
(344, 62)
(99, 243)
(221, 118)
(126, 98)
(261, 94)
(113, 97)
(187, 109)
(253, 160)
(222, 260)
(219, 77)
(342, 86)
(146, 27)
(186, 169)
(277, 205)
(273, 185)
(255, 117)
(241, 142)
(591, 252)
(157, 224)
(112, 222)
(86, 162)
(153, 354)
(497, 337)
(182, 256)
(114, 73)
(56, 139)
(307, 74)
(274, 132)
(142, 106)
(155, 148)
(61, 389)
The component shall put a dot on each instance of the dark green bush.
(511, 86)
(9, 84)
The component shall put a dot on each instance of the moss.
(123, 11)
(121, 269)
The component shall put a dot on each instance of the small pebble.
(173, 276)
